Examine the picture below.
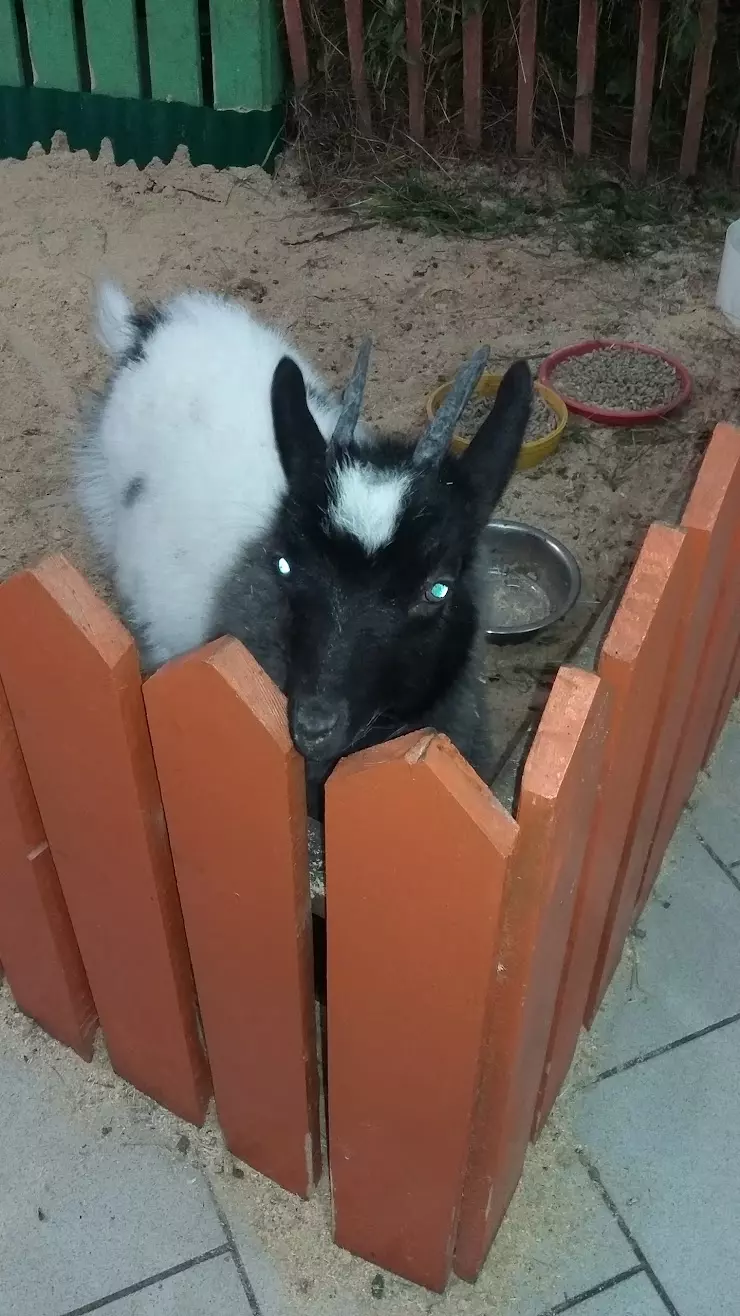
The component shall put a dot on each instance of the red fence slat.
(634, 659)
(234, 796)
(72, 680)
(527, 52)
(699, 87)
(296, 34)
(473, 77)
(710, 521)
(415, 56)
(713, 674)
(38, 947)
(621, 911)
(588, 22)
(417, 854)
(554, 816)
(356, 43)
(642, 114)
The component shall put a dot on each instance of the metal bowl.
(532, 581)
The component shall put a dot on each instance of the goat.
(231, 493)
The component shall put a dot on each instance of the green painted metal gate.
(148, 74)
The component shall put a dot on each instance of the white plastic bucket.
(728, 288)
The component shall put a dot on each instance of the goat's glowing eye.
(437, 592)
(283, 566)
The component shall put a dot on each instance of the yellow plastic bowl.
(535, 450)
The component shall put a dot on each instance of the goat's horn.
(352, 398)
(433, 443)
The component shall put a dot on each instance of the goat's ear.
(299, 440)
(491, 456)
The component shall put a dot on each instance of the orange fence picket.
(710, 523)
(621, 911)
(72, 681)
(554, 817)
(234, 795)
(37, 944)
(417, 858)
(633, 663)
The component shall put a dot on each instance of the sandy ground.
(65, 220)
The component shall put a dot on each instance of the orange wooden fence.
(524, 23)
(154, 877)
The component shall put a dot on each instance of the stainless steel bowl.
(533, 581)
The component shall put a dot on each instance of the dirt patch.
(428, 301)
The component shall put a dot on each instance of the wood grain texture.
(37, 944)
(633, 664)
(554, 817)
(234, 795)
(417, 856)
(72, 680)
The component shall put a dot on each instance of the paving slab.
(680, 971)
(715, 804)
(665, 1139)
(212, 1288)
(558, 1240)
(632, 1297)
(83, 1216)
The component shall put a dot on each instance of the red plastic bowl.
(610, 415)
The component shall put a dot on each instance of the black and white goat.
(232, 494)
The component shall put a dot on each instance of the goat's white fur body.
(190, 424)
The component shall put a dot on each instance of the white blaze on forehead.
(367, 503)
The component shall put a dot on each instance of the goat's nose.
(314, 724)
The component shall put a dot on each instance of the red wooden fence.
(524, 19)
(466, 947)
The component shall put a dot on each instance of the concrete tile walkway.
(628, 1205)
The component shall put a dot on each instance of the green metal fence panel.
(52, 43)
(174, 50)
(112, 47)
(138, 129)
(11, 71)
(247, 63)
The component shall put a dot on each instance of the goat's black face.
(375, 556)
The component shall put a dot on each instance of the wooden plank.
(647, 50)
(72, 681)
(473, 77)
(417, 857)
(588, 23)
(712, 674)
(709, 522)
(621, 912)
(247, 69)
(174, 50)
(415, 61)
(633, 663)
(736, 161)
(219, 726)
(356, 43)
(38, 947)
(297, 47)
(527, 52)
(50, 25)
(554, 816)
(112, 48)
(699, 87)
(11, 69)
